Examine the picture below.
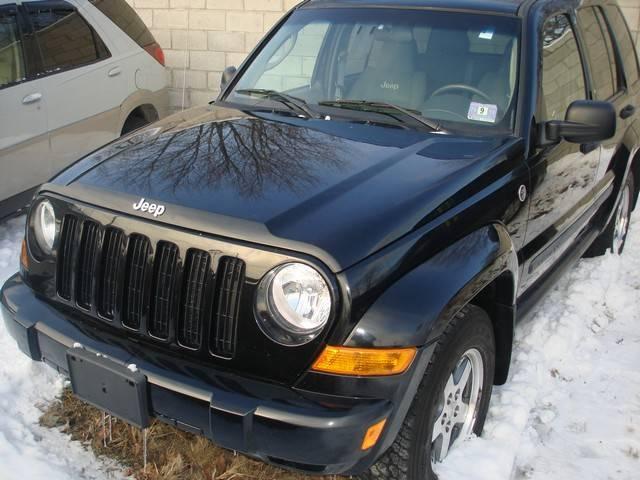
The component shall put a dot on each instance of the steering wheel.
(443, 110)
(466, 88)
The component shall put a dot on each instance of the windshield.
(459, 69)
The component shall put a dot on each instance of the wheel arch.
(496, 298)
(626, 161)
(145, 112)
(481, 269)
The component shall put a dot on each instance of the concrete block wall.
(205, 36)
(631, 10)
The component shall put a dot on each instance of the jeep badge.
(153, 208)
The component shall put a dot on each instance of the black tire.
(134, 122)
(605, 242)
(409, 457)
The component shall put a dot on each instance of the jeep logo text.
(152, 208)
(390, 86)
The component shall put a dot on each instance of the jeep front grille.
(161, 291)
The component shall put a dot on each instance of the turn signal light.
(24, 258)
(364, 362)
(372, 435)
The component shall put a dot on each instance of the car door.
(24, 143)
(562, 174)
(624, 67)
(80, 81)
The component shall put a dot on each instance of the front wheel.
(451, 403)
(622, 219)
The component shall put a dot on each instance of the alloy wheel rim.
(457, 407)
(622, 221)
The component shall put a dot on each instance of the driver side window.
(562, 72)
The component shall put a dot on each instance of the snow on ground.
(28, 451)
(571, 409)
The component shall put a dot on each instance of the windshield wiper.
(293, 103)
(383, 108)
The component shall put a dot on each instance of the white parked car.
(74, 75)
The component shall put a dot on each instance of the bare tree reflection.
(246, 153)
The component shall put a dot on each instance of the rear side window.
(11, 56)
(120, 13)
(64, 38)
(625, 43)
(562, 72)
(602, 64)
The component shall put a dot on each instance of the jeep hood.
(344, 188)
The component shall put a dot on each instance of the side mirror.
(227, 76)
(586, 121)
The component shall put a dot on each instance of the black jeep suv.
(323, 268)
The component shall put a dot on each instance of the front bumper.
(280, 425)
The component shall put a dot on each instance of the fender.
(416, 309)
(418, 306)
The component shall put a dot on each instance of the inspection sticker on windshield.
(482, 112)
(487, 33)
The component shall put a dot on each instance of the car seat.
(391, 74)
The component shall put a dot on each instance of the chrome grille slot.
(108, 281)
(166, 267)
(65, 257)
(135, 305)
(230, 279)
(190, 323)
(87, 260)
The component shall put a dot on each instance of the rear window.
(602, 63)
(64, 38)
(625, 43)
(120, 13)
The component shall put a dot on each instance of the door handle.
(627, 111)
(32, 98)
(114, 72)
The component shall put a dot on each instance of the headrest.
(393, 34)
(450, 42)
(393, 49)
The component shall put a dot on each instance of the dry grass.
(171, 453)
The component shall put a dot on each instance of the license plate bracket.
(109, 386)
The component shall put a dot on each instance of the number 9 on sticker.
(483, 112)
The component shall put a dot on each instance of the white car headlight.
(293, 304)
(45, 226)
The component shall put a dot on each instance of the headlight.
(293, 304)
(45, 227)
